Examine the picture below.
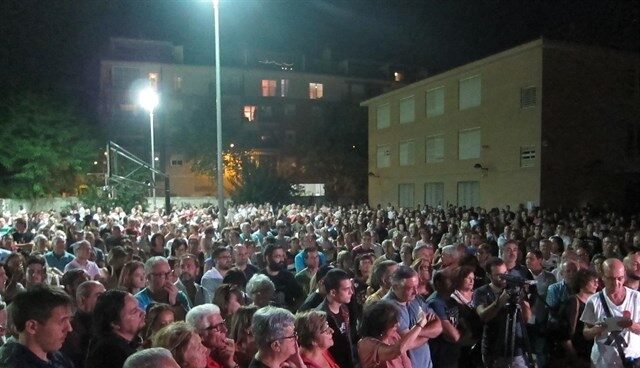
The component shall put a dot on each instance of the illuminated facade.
(544, 123)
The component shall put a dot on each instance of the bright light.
(95, 162)
(157, 159)
(232, 145)
(148, 99)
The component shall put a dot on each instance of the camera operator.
(495, 304)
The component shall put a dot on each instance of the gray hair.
(152, 262)
(197, 316)
(39, 238)
(58, 237)
(402, 273)
(259, 282)
(148, 358)
(268, 325)
(451, 250)
(85, 288)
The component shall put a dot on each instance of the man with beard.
(117, 320)
(187, 281)
(288, 292)
(213, 278)
(42, 318)
(632, 268)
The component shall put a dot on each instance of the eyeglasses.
(294, 336)
(217, 327)
(327, 329)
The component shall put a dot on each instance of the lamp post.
(221, 207)
(149, 99)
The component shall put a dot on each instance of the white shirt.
(606, 355)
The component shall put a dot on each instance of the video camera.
(515, 287)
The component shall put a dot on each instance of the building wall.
(505, 129)
(591, 145)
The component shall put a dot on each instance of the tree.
(259, 184)
(44, 147)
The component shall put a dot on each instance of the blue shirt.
(298, 261)
(4, 254)
(558, 293)
(407, 318)
(59, 262)
(144, 299)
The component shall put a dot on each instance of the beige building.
(544, 123)
(273, 98)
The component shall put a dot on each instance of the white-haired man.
(208, 322)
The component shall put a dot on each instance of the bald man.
(621, 302)
(632, 268)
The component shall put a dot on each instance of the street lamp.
(149, 99)
(216, 20)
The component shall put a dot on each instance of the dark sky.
(48, 42)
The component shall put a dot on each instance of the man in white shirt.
(621, 302)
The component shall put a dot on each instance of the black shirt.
(288, 292)
(15, 355)
(110, 351)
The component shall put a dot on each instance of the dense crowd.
(297, 286)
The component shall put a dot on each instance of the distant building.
(272, 96)
(545, 123)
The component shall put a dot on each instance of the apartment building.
(272, 97)
(545, 123)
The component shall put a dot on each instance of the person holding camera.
(504, 311)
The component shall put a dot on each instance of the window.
(435, 149)
(405, 195)
(384, 156)
(435, 102)
(527, 156)
(469, 144)
(527, 97)
(177, 160)
(468, 194)
(434, 194)
(284, 87)
(177, 83)
(398, 77)
(383, 115)
(315, 91)
(250, 112)
(470, 92)
(268, 88)
(266, 112)
(289, 110)
(407, 155)
(407, 110)
(122, 76)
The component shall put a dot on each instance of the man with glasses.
(208, 322)
(160, 289)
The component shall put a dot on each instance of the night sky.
(55, 44)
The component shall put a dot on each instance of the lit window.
(435, 102)
(407, 110)
(250, 112)
(284, 87)
(315, 91)
(383, 115)
(398, 77)
(470, 90)
(268, 88)
(153, 79)
(527, 97)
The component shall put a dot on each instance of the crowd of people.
(320, 287)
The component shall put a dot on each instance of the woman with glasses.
(274, 333)
(381, 346)
(184, 344)
(315, 337)
(240, 332)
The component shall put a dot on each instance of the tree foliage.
(258, 184)
(44, 146)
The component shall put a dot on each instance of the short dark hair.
(270, 248)
(402, 273)
(460, 274)
(536, 253)
(218, 251)
(491, 263)
(235, 276)
(582, 278)
(333, 278)
(37, 303)
(377, 318)
(36, 258)
(107, 311)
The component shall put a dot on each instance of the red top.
(327, 357)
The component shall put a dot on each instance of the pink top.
(368, 353)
